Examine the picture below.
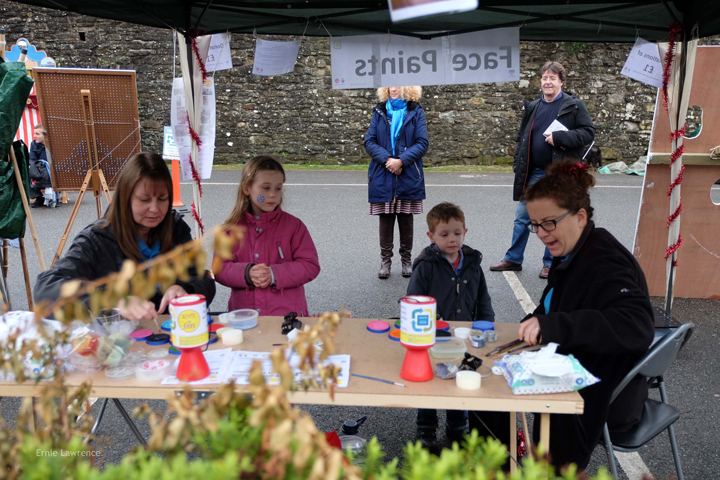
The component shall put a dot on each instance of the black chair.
(656, 416)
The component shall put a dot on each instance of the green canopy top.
(554, 20)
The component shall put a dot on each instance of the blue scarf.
(147, 252)
(396, 110)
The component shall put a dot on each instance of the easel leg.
(28, 289)
(104, 185)
(5, 257)
(74, 213)
(26, 206)
(528, 440)
(3, 284)
(64, 197)
(513, 441)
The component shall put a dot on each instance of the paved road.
(334, 207)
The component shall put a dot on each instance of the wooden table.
(371, 354)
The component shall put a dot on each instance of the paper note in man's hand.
(555, 126)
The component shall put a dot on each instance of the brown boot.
(506, 266)
(405, 224)
(387, 230)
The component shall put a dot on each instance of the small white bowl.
(468, 380)
(462, 332)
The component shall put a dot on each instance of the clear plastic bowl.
(243, 319)
(454, 348)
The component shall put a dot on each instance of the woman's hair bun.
(575, 169)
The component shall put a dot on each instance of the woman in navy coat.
(396, 142)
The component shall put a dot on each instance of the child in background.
(450, 272)
(277, 256)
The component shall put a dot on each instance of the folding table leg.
(130, 422)
(100, 416)
(545, 431)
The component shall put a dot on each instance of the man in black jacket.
(554, 127)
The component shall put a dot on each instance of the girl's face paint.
(266, 192)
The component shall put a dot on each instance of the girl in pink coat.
(277, 256)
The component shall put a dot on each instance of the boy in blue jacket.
(450, 272)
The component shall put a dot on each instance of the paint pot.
(166, 326)
(154, 370)
(232, 337)
(442, 336)
(468, 380)
(158, 339)
(483, 325)
(491, 336)
(442, 325)
(477, 341)
(394, 335)
(220, 331)
(462, 332)
(378, 326)
(141, 335)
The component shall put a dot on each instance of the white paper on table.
(555, 126)
(218, 361)
(644, 63)
(206, 129)
(219, 56)
(275, 58)
(239, 369)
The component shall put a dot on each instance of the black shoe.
(40, 202)
(429, 441)
(456, 436)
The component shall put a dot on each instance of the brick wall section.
(300, 117)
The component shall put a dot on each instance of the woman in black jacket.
(595, 306)
(139, 225)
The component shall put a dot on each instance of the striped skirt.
(399, 206)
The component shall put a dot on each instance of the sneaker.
(545, 271)
(39, 202)
(429, 441)
(455, 436)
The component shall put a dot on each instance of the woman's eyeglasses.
(548, 225)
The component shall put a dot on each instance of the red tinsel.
(674, 215)
(678, 133)
(675, 29)
(193, 134)
(677, 154)
(521, 446)
(201, 64)
(677, 181)
(197, 218)
(196, 175)
(673, 248)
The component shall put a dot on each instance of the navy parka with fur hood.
(459, 297)
(411, 145)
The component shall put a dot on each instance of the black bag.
(39, 175)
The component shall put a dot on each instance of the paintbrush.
(522, 348)
(377, 379)
(502, 348)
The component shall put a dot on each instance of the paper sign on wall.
(170, 150)
(406, 9)
(644, 63)
(205, 128)
(372, 61)
(219, 56)
(275, 58)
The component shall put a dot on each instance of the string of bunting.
(675, 30)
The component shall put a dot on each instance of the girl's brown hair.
(260, 163)
(567, 184)
(119, 214)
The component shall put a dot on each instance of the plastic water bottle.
(349, 439)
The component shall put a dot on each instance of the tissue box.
(544, 371)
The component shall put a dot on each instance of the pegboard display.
(115, 114)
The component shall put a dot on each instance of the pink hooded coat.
(282, 242)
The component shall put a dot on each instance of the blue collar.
(556, 98)
(147, 252)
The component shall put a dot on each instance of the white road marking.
(520, 293)
(365, 185)
(631, 463)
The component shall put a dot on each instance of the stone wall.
(300, 117)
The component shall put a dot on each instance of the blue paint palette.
(166, 326)
(483, 325)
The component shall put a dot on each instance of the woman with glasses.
(595, 306)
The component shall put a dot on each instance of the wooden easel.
(94, 174)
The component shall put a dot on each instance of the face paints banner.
(372, 61)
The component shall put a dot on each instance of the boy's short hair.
(443, 213)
